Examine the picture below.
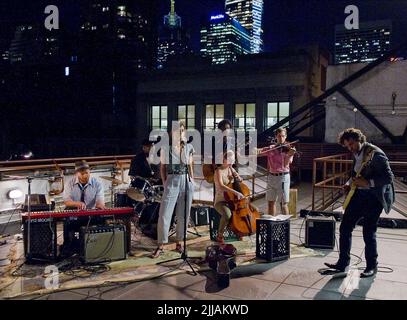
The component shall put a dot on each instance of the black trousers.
(363, 205)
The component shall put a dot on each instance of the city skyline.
(371, 41)
(283, 22)
(287, 23)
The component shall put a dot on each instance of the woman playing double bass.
(225, 175)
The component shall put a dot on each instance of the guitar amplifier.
(42, 244)
(320, 232)
(200, 215)
(103, 243)
(38, 202)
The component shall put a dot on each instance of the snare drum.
(139, 190)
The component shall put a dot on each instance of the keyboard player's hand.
(81, 206)
(100, 206)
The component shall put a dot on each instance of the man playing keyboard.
(83, 191)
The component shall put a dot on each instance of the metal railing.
(111, 165)
(335, 172)
(329, 174)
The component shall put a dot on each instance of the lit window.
(214, 113)
(277, 111)
(186, 113)
(159, 117)
(121, 11)
(245, 116)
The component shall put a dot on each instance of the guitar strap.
(368, 154)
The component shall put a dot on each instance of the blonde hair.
(281, 130)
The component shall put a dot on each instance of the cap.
(81, 165)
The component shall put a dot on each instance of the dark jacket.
(378, 170)
(140, 167)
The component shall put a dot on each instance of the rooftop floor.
(293, 279)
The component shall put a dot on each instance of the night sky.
(288, 22)
(285, 22)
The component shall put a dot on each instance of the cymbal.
(113, 180)
(135, 194)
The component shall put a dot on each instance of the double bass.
(243, 220)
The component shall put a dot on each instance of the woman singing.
(177, 176)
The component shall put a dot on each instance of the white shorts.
(278, 188)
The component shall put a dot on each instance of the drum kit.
(145, 196)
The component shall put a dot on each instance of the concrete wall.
(373, 91)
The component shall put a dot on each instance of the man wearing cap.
(83, 191)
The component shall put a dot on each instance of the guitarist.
(373, 179)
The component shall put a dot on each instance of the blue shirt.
(93, 191)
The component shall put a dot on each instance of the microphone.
(183, 142)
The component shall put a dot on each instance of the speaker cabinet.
(200, 215)
(41, 246)
(103, 243)
(320, 232)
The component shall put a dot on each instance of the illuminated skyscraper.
(365, 44)
(32, 44)
(223, 39)
(249, 13)
(173, 40)
(172, 20)
(123, 29)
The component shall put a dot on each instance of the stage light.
(28, 155)
(14, 194)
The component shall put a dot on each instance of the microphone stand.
(28, 254)
(184, 254)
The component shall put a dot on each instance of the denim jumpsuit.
(178, 181)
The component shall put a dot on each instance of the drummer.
(140, 166)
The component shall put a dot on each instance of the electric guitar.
(353, 188)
